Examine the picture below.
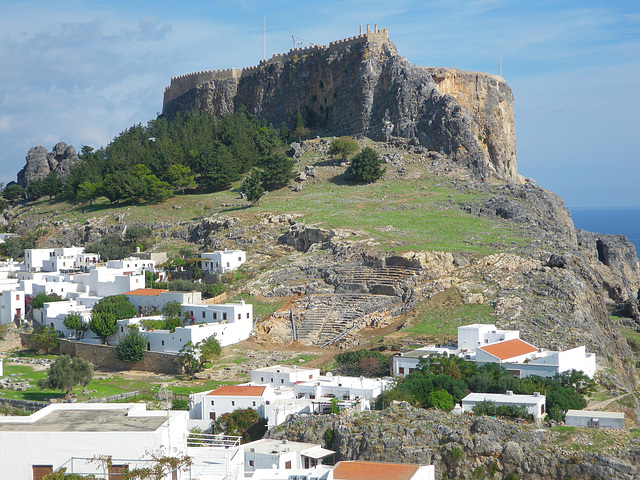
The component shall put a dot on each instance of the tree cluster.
(244, 423)
(106, 314)
(457, 377)
(150, 163)
(363, 363)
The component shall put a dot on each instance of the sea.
(615, 220)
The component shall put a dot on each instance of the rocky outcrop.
(467, 447)
(41, 162)
(363, 87)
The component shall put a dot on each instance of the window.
(287, 465)
(401, 370)
(228, 265)
(247, 314)
(239, 316)
(233, 403)
(224, 316)
(239, 259)
(272, 380)
(251, 463)
(282, 380)
(310, 377)
(253, 403)
(121, 329)
(204, 314)
(162, 342)
(17, 297)
(262, 379)
(211, 402)
(215, 316)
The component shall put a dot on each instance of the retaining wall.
(104, 357)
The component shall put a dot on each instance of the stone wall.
(104, 356)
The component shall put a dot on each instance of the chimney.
(509, 392)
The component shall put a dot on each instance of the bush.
(131, 348)
(117, 305)
(363, 363)
(41, 298)
(44, 339)
(366, 167)
(179, 404)
(344, 147)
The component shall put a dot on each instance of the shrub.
(44, 339)
(457, 453)
(366, 167)
(131, 348)
(180, 404)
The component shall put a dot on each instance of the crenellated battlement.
(183, 83)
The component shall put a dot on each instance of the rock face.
(40, 163)
(464, 446)
(360, 86)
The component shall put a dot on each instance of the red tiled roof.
(239, 391)
(509, 349)
(152, 292)
(355, 470)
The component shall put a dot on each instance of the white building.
(280, 375)
(341, 387)
(230, 323)
(58, 259)
(222, 261)
(535, 404)
(486, 344)
(54, 313)
(133, 265)
(70, 435)
(284, 455)
(477, 335)
(104, 282)
(148, 300)
(213, 403)
(12, 305)
(594, 419)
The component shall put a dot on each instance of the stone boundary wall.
(183, 83)
(23, 404)
(104, 356)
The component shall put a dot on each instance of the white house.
(54, 313)
(70, 435)
(213, 403)
(222, 261)
(58, 259)
(133, 265)
(341, 387)
(477, 335)
(284, 455)
(230, 323)
(11, 305)
(148, 300)
(279, 375)
(594, 419)
(535, 404)
(104, 282)
(486, 344)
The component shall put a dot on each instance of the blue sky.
(82, 72)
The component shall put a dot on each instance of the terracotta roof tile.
(239, 391)
(355, 470)
(152, 292)
(509, 349)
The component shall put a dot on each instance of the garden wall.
(104, 356)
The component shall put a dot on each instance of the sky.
(81, 72)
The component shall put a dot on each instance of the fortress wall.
(184, 83)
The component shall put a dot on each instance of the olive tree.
(65, 373)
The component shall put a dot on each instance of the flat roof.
(593, 414)
(504, 398)
(239, 391)
(509, 349)
(283, 369)
(88, 420)
(268, 446)
(357, 470)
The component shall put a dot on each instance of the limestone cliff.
(360, 86)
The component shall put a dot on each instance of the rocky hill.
(41, 162)
(470, 447)
(361, 86)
